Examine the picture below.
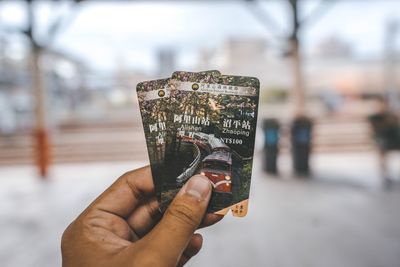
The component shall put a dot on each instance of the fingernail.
(198, 187)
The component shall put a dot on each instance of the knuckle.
(154, 211)
(64, 238)
(67, 235)
(127, 174)
(183, 213)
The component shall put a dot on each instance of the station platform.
(340, 217)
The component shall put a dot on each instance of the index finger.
(125, 194)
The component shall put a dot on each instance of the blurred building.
(249, 56)
(166, 62)
(332, 65)
(333, 47)
(64, 79)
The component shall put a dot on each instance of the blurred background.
(327, 166)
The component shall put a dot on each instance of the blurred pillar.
(391, 94)
(297, 92)
(40, 132)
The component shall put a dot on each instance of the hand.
(122, 227)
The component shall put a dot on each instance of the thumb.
(181, 219)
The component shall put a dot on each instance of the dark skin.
(123, 226)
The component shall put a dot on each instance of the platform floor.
(341, 217)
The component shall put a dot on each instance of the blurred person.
(332, 100)
(386, 128)
(122, 227)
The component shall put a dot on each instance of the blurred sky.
(104, 33)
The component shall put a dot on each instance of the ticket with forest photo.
(211, 130)
(154, 105)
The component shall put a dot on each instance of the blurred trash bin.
(301, 144)
(271, 145)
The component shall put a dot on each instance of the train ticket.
(154, 105)
(211, 126)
